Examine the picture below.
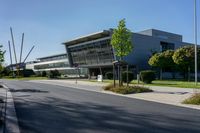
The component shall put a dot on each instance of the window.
(167, 46)
(92, 53)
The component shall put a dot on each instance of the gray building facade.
(58, 62)
(95, 52)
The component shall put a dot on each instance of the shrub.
(147, 76)
(5, 72)
(44, 74)
(26, 72)
(109, 75)
(194, 99)
(130, 77)
(54, 74)
(108, 87)
(126, 89)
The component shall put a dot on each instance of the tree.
(162, 60)
(169, 62)
(157, 60)
(122, 44)
(1, 54)
(1, 59)
(121, 40)
(184, 58)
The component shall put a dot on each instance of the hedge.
(147, 76)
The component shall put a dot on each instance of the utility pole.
(195, 39)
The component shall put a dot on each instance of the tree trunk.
(120, 73)
(160, 73)
(188, 73)
(114, 75)
(173, 74)
(127, 75)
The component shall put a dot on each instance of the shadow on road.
(54, 115)
(27, 90)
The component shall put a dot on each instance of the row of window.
(167, 46)
(54, 58)
(52, 65)
(93, 53)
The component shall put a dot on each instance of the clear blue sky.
(48, 23)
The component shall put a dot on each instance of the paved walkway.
(167, 95)
(2, 107)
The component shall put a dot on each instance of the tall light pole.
(195, 39)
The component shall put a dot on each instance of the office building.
(95, 53)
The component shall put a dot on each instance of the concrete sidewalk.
(10, 121)
(2, 108)
(166, 95)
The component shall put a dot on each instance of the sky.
(48, 23)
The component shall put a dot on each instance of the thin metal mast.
(28, 54)
(20, 59)
(10, 57)
(13, 45)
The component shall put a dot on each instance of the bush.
(126, 89)
(130, 77)
(194, 99)
(44, 74)
(26, 72)
(54, 74)
(108, 87)
(5, 72)
(147, 76)
(109, 75)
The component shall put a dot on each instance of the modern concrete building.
(55, 62)
(95, 52)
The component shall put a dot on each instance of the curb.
(150, 100)
(11, 121)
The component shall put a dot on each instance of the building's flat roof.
(56, 55)
(93, 36)
(106, 33)
(142, 32)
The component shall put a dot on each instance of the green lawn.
(26, 78)
(170, 83)
(104, 81)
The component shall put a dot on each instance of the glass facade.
(167, 46)
(94, 53)
(58, 57)
(52, 65)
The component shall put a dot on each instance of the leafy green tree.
(1, 59)
(157, 60)
(169, 62)
(184, 58)
(1, 54)
(121, 42)
(162, 60)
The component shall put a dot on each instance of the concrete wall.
(143, 47)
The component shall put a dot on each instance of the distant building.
(95, 53)
(55, 62)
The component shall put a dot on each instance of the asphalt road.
(43, 108)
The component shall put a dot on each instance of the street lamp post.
(195, 38)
